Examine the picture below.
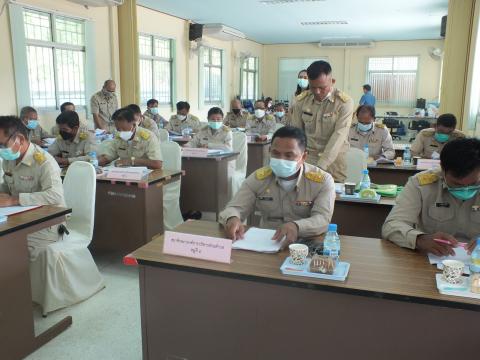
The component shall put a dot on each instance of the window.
(155, 69)
(249, 79)
(212, 76)
(393, 79)
(55, 58)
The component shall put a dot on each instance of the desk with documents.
(388, 307)
(391, 174)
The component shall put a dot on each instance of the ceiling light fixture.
(281, 2)
(324, 22)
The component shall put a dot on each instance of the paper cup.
(452, 271)
(349, 188)
(298, 253)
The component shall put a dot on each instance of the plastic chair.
(172, 160)
(240, 172)
(356, 163)
(163, 135)
(65, 273)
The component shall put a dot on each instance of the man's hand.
(234, 228)
(7, 200)
(471, 245)
(61, 161)
(205, 146)
(262, 138)
(425, 243)
(287, 233)
(123, 162)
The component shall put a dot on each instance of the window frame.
(246, 72)
(210, 65)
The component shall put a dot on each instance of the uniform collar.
(28, 157)
(301, 174)
(372, 131)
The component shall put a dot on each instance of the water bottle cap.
(91, 153)
(332, 227)
(365, 171)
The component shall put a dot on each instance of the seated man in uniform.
(31, 177)
(132, 146)
(261, 123)
(29, 117)
(440, 204)
(366, 132)
(183, 119)
(215, 135)
(74, 141)
(66, 106)
(237, 118)
(152, 113)
(281, 116)
(142, 121)
(294, 197)
(429, 143)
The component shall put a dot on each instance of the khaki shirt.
(35, 180)
(425, 144)
(37, 134)
(215, 139)
(151, 125)
(76, 149)
(326, 124)
(379, 141)
(159, 119)
(105, 104)
(263, 126)
(177, 125)
(236, 121)
(285, 120)
(309, 205)
(144, 145)
(425, 206)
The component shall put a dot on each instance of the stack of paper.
(12, 210)
(460, 255)
(259, 240)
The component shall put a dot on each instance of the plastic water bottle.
(366, 151)
(331, 243)
(476, 257)
(93, 159)
(407, 156)
(365, 183)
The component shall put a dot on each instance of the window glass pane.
(380, 63)
(145, 45)
(69, 31)
(251, 86)
(206, 56)
(216, 85)
(206, 83)
(251, 63)
(37, 25)
(405, 63)
(162, 48)
(162, 81)
(216, 57)
(41, 77)
(146, 80)
(70, 76)
(244, 85)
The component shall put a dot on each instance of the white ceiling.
(281, 22)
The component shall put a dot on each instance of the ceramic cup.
(298, 253)
(349, 188)
(452, 271)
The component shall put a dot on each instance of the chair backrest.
(172, 155)
(240, 145)
(356, 163)
(163, 135)
(79, 186)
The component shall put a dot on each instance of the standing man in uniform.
(103, 104)
(429, 143)
(261, 123)
(294, 197)
(74, 141)
(440, 204)
(237, 118)
(325, 113)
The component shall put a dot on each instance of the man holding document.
(294, 198)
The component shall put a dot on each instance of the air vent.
(349, 44)
(282, 2)
(324, 22)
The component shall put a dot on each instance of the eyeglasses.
(4, 146)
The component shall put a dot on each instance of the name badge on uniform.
(327, 115)
(25, 177)
(265, 198)
(303, 203)
(353, 139)
(476, 208)
(7, 173)
(205, 138)
(122, 148)
(308, 113)
(433, 145)
(445, 205)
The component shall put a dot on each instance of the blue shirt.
(367, 99)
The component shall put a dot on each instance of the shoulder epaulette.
(458, 134)
(344, 97)
(428, 132)
(269, 117)
(302, 95)
(380, 126)
(263, 173)
(145, 135)
(427, 178)
(315, 176)
(226, 128)
(39, 157)
(59, 137)
(83, 135)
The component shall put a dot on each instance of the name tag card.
(426, 164)
(195, 152)
(198, 247)
(129, 174)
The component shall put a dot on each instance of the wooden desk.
(127, 216)
(391, 174)
(17, 332)
(181, 141)
(258, 155)
(388, 308)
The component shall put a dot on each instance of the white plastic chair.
(356, 163)
(163, 135)
(238, 176)
(65, 273)
(172, 160)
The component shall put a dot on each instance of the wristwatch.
(132, 159)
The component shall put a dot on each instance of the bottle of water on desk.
(407, 156)
(366, 151)
(331, 243)
(476, 256)
(365, 183)
(93, 159)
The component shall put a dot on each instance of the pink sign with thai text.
(197, 247)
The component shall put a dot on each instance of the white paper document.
(12, 210)
(460, 255)
(259, 240)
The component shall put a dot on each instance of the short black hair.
(368, 108)
(292, 133)
(65, 104)
(183, 105)
(318, 68)
(107, 82)
(279, 104)
(461, 156)
(69, 118)
(26, 110)
(134, 108)
(11, 124)
(447, 120)
(267, 99)
(123, 114)
(152, 102)
(215, 110)
(262, 101)
(367, 87)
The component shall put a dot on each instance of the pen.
(449, 243)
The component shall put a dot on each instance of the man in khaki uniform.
(366, 132)
(74, 141)
(30, 177)
(152, 113)
(29, 117)
(429, 143)
(103, 104)
(440, 204)
(281, 116)
(183, 119)
(325, 113)
(293, 197)
(237, 118)
(215, 135)
(143, 121)
(260, 123)
(132, 146)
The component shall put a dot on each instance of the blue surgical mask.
(441, 138)
(283, 168)
(464, 193)
(303, 83)
(364, 127)
(215, 125)
(280, 114)
(154, 110)
(32, 124)
(8, 155)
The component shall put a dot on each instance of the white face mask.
(181, 117)
(287, 185)
(259, 113)
(125, 135)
